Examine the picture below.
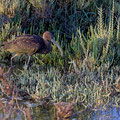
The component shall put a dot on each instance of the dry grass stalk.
(26, 111)
(8, 86)
(11, 108)
(117, 84)
(7, 107)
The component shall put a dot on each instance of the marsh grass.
(90, 46)
(92, 89)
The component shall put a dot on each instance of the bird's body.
(27, 44)
(30, 44)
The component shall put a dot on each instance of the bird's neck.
(47, 46)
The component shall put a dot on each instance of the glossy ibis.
(30, 45)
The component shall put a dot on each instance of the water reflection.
(20, 110)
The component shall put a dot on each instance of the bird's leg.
(28, 62)
(12, 59)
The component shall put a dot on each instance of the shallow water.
(38, 112)
(111, 113)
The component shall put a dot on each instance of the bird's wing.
(28, 44)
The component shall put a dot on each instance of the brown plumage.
(30, 44)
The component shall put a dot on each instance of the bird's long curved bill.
(53, 41)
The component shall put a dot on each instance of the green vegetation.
(92, 89)
(88, 32)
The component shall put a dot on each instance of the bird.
(30, 45)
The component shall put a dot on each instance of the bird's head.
(48, 36)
